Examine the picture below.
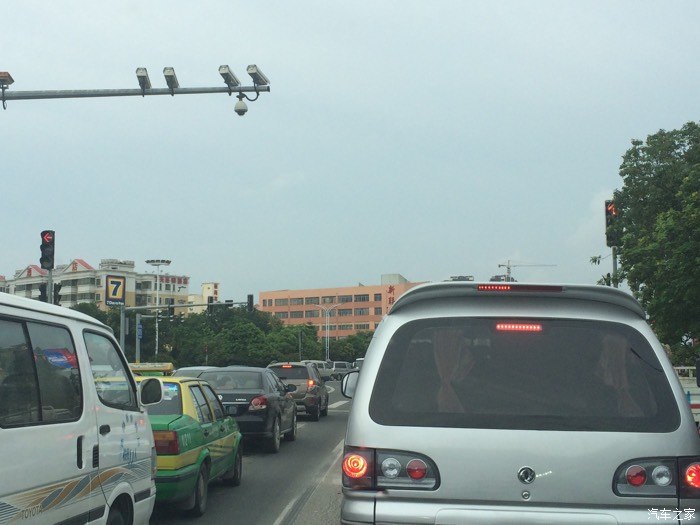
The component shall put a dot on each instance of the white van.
(75, 442)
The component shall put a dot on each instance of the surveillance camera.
(241, 108)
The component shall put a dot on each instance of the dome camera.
(241, 108)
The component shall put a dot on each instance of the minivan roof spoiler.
(451, 289)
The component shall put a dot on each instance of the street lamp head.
(171, 78)
(229, 78)
(158, 262)
(142, 76)
(258, 77)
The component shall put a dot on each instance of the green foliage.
(351, 347)
(229, 336)
(659, 223)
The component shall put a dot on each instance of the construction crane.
(509, 265)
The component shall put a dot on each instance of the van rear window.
(529, 374)
(293, 372)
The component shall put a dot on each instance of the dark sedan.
(262, 404)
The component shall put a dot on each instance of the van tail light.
(258, 403)
(689, 475)
(378, 469)
(166, 442)
(310, 383)
(659, 477)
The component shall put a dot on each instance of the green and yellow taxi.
(196, 442)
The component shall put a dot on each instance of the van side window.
(58, 373)
(19, 388)
(112, 381)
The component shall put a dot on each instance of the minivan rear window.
(529, 374)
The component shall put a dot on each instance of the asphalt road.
(299, 485)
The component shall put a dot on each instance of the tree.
(659, 227)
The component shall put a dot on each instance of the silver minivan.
(519, 404)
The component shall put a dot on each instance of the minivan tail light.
(258, 403)
(166, 442)
(692, 475)
(379, 469)
(310, 383)
(154, 463)
(648, 477)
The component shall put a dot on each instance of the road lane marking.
(338, 403)
(291, 511)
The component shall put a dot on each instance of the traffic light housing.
(57, 294)
(250, 303)
(171, 311)
(43, 295)
(48, 239)
(611, 216)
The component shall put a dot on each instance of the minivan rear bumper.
(363, 510)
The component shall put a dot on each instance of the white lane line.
(334, 454)
(338, 404)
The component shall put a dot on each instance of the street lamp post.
(327, 313)
(157, 263)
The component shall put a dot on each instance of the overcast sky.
(424, 138)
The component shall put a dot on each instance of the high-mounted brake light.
(518, 327)
(286, 366)
(493, 288)
(518, 288)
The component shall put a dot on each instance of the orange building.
(347, 310)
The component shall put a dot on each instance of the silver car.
(518, 404)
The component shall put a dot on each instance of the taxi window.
(171, 403)
(214, 402)
(202, 407)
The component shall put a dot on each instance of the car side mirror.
(349, 383)
(150, 391)
(290, 388)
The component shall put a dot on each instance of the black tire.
(234, 475)
(201, 489)
(115, 516)
(324, 411)
(291, 435)
(273, 442)
(316, 413)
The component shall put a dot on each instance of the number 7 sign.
(115, 290)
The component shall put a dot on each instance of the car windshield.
(523, 374)
(293, 372)
(233, 380)
(171, 404)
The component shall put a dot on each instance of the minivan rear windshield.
(528, 374)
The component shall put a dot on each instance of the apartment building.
(80, 282)
(346, 310)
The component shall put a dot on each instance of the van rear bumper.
(363, 510)
(144, 508)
